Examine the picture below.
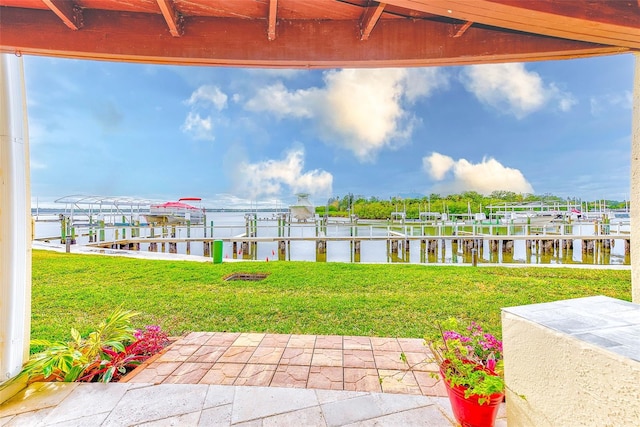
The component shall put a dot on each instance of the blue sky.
(237, 137)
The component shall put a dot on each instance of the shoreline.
(87, 250)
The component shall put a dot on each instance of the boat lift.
(82, 209)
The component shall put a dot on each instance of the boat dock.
(278, 236)
(472, 243)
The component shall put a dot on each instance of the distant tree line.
(376, 208)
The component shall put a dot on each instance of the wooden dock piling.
(355, 250)
(321, 250)
(588, 246)
(282, 249)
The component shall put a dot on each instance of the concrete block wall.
(576, 362)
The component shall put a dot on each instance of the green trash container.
(217, 251)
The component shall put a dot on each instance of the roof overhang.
(319, 33)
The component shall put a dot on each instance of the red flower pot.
(467, 410)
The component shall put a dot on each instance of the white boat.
(303, 209)
(616, 217)
(176, 212)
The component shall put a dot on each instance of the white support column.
(15, 221)
(635, 187)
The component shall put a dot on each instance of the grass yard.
(296, 297)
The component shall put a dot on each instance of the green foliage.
(111, 333)
(375, 208)
(68, 362)
(60, 362)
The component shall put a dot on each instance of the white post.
(15, 222)
(635, 187)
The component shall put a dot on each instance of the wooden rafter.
(463, 29)
(273, 9)
(563, 19)
(369, 18)
(67, 11)
(173, 18)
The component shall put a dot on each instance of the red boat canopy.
(175, 205)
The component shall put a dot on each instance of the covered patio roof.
(320, 33)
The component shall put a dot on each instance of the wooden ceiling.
(320, 33)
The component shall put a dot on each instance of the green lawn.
(297, 297)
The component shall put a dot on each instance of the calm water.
(232, 224)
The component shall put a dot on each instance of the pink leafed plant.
(150, 340)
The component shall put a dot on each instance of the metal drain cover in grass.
(249, 277)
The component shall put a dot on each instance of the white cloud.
(206, 96)
(198, 127)
(511, 88)
(566, 103)
(422, 82)
(279, 101)
(268, 178)
(206, 99)
(484, 177)
(600, 104)
(361, 110)
(437, 165)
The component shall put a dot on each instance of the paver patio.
(367, 364)
(201, 379)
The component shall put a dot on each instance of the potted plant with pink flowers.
(472, 369)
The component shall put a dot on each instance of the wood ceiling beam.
(67, 11)
(462, 29)
(369, 18)
(142, 38)
(172, 18)
(612, 23)
(273, 10)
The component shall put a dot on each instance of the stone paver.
(394, 381)
(387, 359)
(359, 379)
(357, 343)
(256, 375)
(359, 359)
(188, 373)
(327, 357)
(207, 353)
(290, 376)
(326, 377)
(266, 355)
(329, 341)
(221, 373)
(297, 356)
